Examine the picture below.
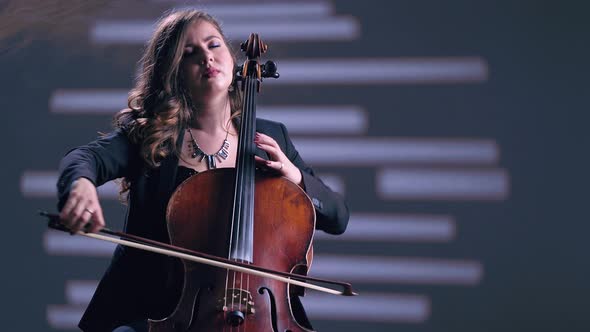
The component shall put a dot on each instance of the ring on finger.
(89, 210)
(282, 165)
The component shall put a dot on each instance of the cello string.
(253, 83)
(234, 212)
(247, 185)
(239, 188)
(248, 167)
(238, 204)
(252, 131)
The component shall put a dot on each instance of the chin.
(212, 90)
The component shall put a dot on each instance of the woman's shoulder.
(115, 136)
(265, 123)
(274, 129)
(271, 128)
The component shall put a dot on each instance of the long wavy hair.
(160, 105)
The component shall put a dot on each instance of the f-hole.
(273, 307)
(196, 306)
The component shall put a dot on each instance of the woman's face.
(207, 63)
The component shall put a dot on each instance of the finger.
(276, 165)
(269, 164)
(72, 202)
(65, 215)
(265, 139)
(81, 214)
(261, 164)
(74, 217)
(82, 220)
(260, 161)
(97, 221)
(274, 152)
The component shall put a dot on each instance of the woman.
(182, 119)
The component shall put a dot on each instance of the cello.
(272, 231)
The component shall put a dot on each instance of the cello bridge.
(237, 299)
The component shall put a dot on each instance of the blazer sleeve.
(332, 211)
(107, 158)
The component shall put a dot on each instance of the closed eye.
(189, 51)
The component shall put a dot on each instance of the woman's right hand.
(82, 209)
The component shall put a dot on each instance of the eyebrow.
(208, 38)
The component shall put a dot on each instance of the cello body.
(200, 220)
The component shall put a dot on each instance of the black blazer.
(134, 286)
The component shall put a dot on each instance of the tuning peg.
(269, 69)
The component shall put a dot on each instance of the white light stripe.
(442, 184)
(79, 292)
(382, 71)
(38, 184)
(367, 307)
(320, 120)
(308, 72)
(369, 269)
(62, 244)
(375, 151)
(88, 101)
(335, 182)
(264, 11)
(322, 28)
(390, 184)
(64, 317)
(298, 119)
(396, 228)
(42, 184)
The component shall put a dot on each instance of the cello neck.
(242, 228)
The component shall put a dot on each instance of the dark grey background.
(532, 245)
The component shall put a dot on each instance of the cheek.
(231, 66)
(189, 73)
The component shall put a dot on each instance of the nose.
(207, 58)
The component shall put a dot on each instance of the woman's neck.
(212, 117)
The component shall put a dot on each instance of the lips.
(211, 72)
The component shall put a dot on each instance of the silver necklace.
(221, 155)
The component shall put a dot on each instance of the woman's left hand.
(278, 161)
